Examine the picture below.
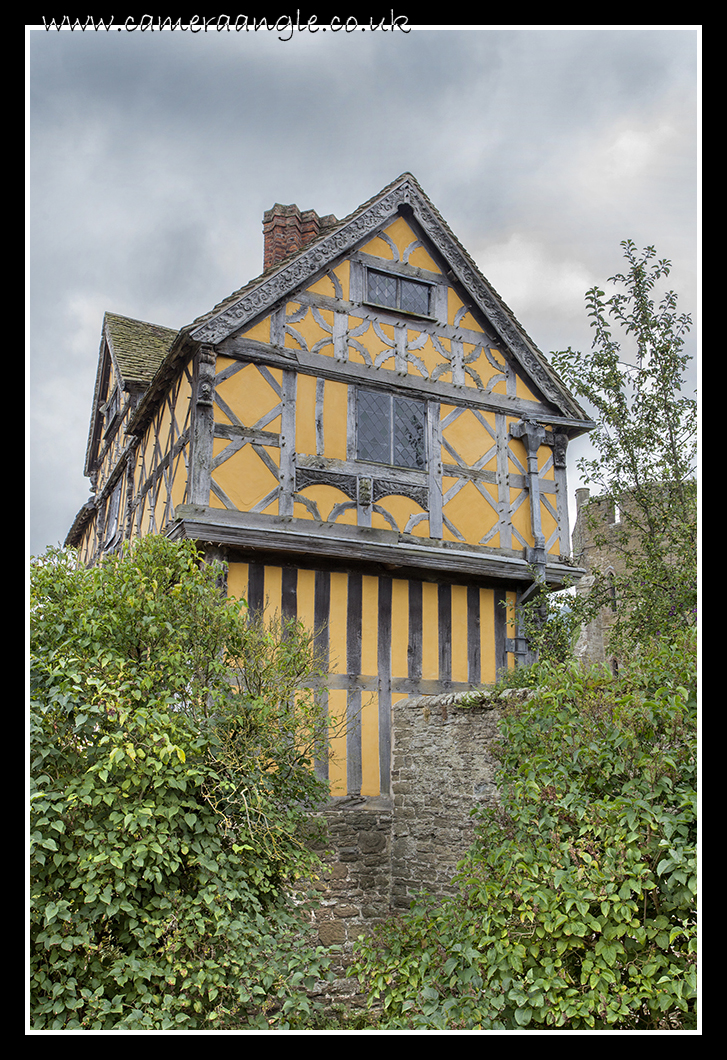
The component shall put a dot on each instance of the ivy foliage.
(171, 784)
(576, 906)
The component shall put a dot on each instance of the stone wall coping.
(370, 803)
(484, 698)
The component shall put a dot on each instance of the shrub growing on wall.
(577, 903)
(170, 783)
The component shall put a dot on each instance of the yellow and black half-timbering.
(372, 442)
(382, 638)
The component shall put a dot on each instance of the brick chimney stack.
(287, 230)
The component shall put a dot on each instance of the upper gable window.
(398, 292)
(391, 430)
(111, 410)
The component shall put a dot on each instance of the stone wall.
(441, 769)
(597, 546)
(383, 851)
(355, 884)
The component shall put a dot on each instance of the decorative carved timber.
(206, 376)
(203, 432)
(560, 448)
(308, 476)
(301, 270)
(532, 435)
(386, 487)
(364, 489)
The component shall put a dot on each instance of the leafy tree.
(577, 903)
(645, 448)
(171, 780)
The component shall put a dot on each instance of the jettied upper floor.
(369, 398)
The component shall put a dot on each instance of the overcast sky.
(153, 156)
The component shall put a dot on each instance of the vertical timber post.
(200, 472)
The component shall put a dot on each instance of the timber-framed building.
(369, 439)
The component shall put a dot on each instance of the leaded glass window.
(391, 430)
(397, 292)
(382, 289)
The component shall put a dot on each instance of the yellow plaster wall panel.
(487, 636)
(338, 622)
(401, 509)
(369, 625)
(459, 633)
(403, 235)
(259, 331)
(221, 363)
(273, 590)
(158, 511)
(470, 439)
(144, 519)
(517, 449)
(356, 356)
(249, 395)
(237, 580)
(430, 631)
(484, 368)
(399, 628)
(307, 331)
(335, 409)
(324, 286)
(305, 595)
(523, 391)
(420, 529)
(163, 428)
(370, 778)
(378, 248)
(305, 415)
(144, 459)
(84, 548)
(549, 525)
(422, 259)
(290, 339)
(343, 275)
(545, 454)
(300, 511)
(244, 478)
(337, 699)
(326, 498)
(179, 482)
(521, 519)
(470, 512)
(454, 307)
(184, 395)
(221, 416)
(428, 354)
(370, 666)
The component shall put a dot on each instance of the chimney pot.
(582, 496)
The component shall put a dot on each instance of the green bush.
(171, 784)
(577, 903)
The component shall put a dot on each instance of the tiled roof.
(138, 348)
